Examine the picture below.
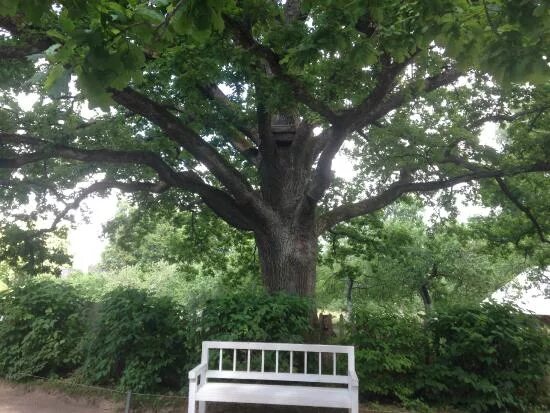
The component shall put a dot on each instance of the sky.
(533, 299)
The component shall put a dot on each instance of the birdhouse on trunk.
(283, 128)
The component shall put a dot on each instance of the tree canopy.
(242, 106)
(395, 259)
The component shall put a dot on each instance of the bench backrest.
(234, 361)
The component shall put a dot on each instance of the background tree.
(146, 236)
(398, 260)
(31, 252)
(243, 105)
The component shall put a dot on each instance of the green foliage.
(254, 316)
(450, 262)
(33, 253)
(486, 359)
(187, 288)
(138, 342)
(41, 325)
(390, 352)
(196, 242)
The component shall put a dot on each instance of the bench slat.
(275, 394)
(263, 360)
(272, 376)
(325, 348)
(291, 354)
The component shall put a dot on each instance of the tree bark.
(288, 258)
(426, 298)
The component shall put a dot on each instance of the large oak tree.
(242, 105)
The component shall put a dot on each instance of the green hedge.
(390, 351)
(138, 342)
(130, 338)
(41, 327)
(254, 317)
(489, 358)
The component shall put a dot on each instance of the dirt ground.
(20, 398)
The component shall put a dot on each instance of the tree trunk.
(287, 243)
(288, 259)
(426, 298)
(349, 295)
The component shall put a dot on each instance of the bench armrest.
(198, 371)
(353, 379)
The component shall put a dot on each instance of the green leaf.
(149, 14)
(8, 7)
(51, 51)
(57, 81)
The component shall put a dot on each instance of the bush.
(138, 342)
(41, 326)
(254, 317)
(487, 359)
(390, 351)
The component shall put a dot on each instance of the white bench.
(316, 384)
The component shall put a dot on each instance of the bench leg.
(354, 400)
(202, 407)
(191, 399)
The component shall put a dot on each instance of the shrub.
(254, 317)
(487, 359)
(138, 342)
(390, 350)
(41, 326)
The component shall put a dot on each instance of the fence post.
(128, 401)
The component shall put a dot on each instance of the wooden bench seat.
(290, 387)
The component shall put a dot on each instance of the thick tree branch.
(215, 94)
(523, 208)
(188, 139)
(398, 99)
(399, 188)
(102, 186)
(24, 49)
(375, 106)
(241, 137)
(27, 44)
(385, 82)
(45, 150)
(507, 117)
(244, 37)
(220, 202)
